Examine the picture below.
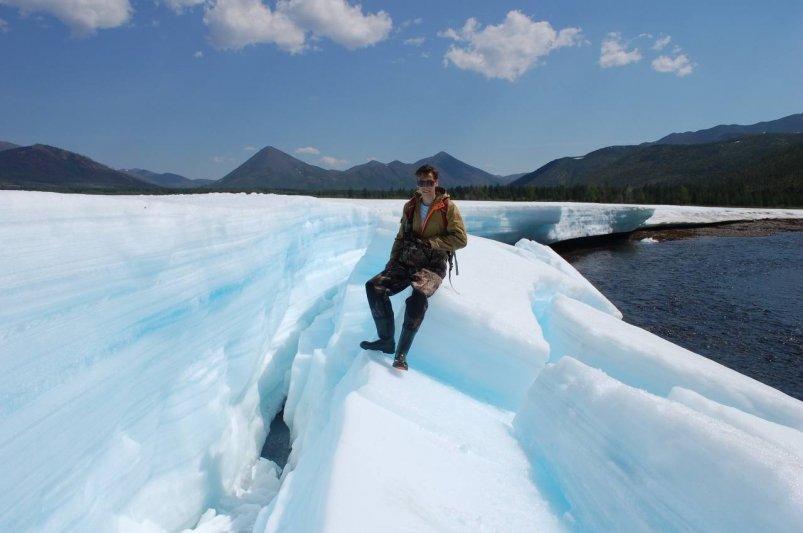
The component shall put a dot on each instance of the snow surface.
(147, 342)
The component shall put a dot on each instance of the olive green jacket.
(431, 239)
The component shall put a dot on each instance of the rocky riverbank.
(751, 228)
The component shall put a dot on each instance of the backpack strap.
(444, 211)
(451, 255)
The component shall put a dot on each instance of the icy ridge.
(145, 342)
(617, 445)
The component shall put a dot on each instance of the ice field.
(146, 343)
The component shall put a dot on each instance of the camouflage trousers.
(395, 279)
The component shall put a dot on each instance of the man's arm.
(395, 252)
(455, 237)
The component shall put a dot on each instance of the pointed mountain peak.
(271, 150)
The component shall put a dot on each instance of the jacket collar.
(440, 194)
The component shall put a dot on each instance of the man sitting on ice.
(431, 229)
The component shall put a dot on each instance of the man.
(431, 228)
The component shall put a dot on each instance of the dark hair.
(425, 170)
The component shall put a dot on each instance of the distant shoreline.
(743, 228)
(740, 228)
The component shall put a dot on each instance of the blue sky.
(195, 87)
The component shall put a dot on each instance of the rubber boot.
(405, 341)
(386, 329)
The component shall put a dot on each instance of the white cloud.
(661, 42)
(339, 21)
(249, 149)
(408, 23)
(82, 16)
(308, 150)
(415, 41)
(614, 54)
(509, 49)
(199, 54)
(3, 26)
(333, 162)
(234, 24)
(679, 65)
(179, 5)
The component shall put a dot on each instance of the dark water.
(277, 444)
(736, 300)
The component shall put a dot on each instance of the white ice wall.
(144, 341)
(139, 340)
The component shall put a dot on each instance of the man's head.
(426, 177)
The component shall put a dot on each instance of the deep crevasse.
(147, 339)
(143, 340)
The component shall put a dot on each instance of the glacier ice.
(146, 342)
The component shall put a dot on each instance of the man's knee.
(376, 284)
(426, 281)
(417, 304)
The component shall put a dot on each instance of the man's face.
(426, 182)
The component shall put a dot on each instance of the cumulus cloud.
(614, 53)
(83, 17)
(661, 42)
(333, 162)
(679, 65)
(509, 49)
(339, 21)
(234, 24)
(308, 150)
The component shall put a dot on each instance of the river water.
(736, 300)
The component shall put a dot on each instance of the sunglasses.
(426, 183)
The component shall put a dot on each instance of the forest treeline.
(725, 195)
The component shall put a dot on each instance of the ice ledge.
(144, 341)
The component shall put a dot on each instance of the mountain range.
(790, 124)
(166, 179)
(42, 167)
(271, 168)
(690, 157)
(676, 164)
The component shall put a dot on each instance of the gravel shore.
(752, 228)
